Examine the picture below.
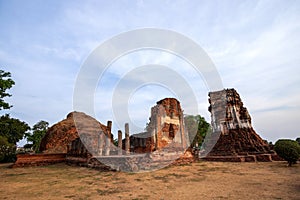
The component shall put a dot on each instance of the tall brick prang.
(231, 122)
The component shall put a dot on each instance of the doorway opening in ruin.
(171, 132)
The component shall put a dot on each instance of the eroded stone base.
(244, 158)
(133, 163)
(30, 160)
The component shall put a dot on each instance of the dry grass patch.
(202, 180)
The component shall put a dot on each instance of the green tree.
(287, 149)
(197, 128)
(7, 150)
(5, 83)
(28, 146)
(13, 129)
(38, 132)
(116, 142)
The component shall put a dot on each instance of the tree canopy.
(38, 132)
(5, 83)
(13, 129)
(197, 128)
(7, 150)
(10, 128)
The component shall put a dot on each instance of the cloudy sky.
(254, 45)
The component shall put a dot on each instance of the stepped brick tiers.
(233, 137)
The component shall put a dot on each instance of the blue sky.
(254, 45)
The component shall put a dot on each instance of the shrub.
(7, 151)
(289, 150)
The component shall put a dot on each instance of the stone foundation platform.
(30, 160)
(132, 163)
(244, 158)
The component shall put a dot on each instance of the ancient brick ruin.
(80, 139)
(162, 143)
(60, 135)
(165, 129)
(233, 137)
(30, 160)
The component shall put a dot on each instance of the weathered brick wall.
(27, 160)
(165, 128)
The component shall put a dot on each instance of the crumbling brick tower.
(167, 124)
(232, 122)
(165, 129)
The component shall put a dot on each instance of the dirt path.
(202, 180)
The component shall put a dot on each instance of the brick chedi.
(59, 136)
(78, 134)
(231, 122)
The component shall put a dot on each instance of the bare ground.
(202, 180)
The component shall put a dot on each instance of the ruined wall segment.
(166, 128)
(30, 160)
